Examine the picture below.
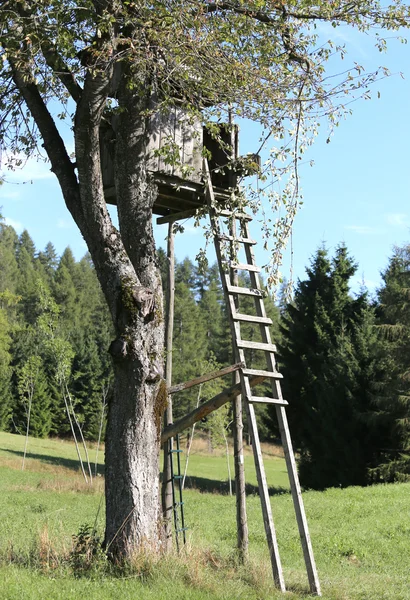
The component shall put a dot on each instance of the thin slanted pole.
(167, 495)
(205, 409)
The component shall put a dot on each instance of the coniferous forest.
(344, 357)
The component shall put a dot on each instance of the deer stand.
(210, 189)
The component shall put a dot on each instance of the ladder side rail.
(246, 393)
(286, 441)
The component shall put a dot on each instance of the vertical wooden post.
(240, 484)
(167, 498)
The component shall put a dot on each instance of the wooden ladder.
(227, 268)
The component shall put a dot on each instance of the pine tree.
(49, 260)
(86, 385)
(394, 398)
(328, 355)
(189, 345)
(6, 400)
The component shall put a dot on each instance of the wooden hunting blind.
(176, 147)
(204, 175)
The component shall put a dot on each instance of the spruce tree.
(394, 398)
(328, 357)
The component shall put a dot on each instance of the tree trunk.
(132, 464)
(139, 399)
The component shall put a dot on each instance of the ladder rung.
(267, 374)
(266, 400)
(256, 345)
(252, 319)
(238, 215)
(241, 240)
(233, 289)
(243, 267)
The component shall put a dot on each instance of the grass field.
(361, 537)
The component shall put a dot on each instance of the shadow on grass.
(202, 484)
(58, 461)
(222, 487)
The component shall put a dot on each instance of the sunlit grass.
(361, 537)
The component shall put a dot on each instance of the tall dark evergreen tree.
(394, 399)
(328, 356)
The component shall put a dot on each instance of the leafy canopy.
(265, 60)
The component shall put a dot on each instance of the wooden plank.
(229, 213)
(267, 400)
(205, 409)
(256, 345)
(251, 319)
(198, 380)
(185, 214)
(243, 267)
(240, 240)
(234, 289)
(267, 374)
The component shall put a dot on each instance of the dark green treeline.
(344, 357)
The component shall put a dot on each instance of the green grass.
(361, 537)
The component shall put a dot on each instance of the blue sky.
(357, 192)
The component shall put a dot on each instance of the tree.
(95, 58)
(394, 398)
(331, 362)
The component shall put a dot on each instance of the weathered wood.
(256, 345)
(261, 373)
(286, 439)
(230, 213)
(268, 400)
(185, 214)
(235, 289)
(205, 409)
(241, 240)
(246, 393)
(243, 267)
(251, 318)
(203, 378)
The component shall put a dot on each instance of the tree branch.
(61, 70)
(61, 164)
(51, 56)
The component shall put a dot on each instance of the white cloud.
(15, 224)
(363, 229)
(398, 219)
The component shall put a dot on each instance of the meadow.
(361, 536)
